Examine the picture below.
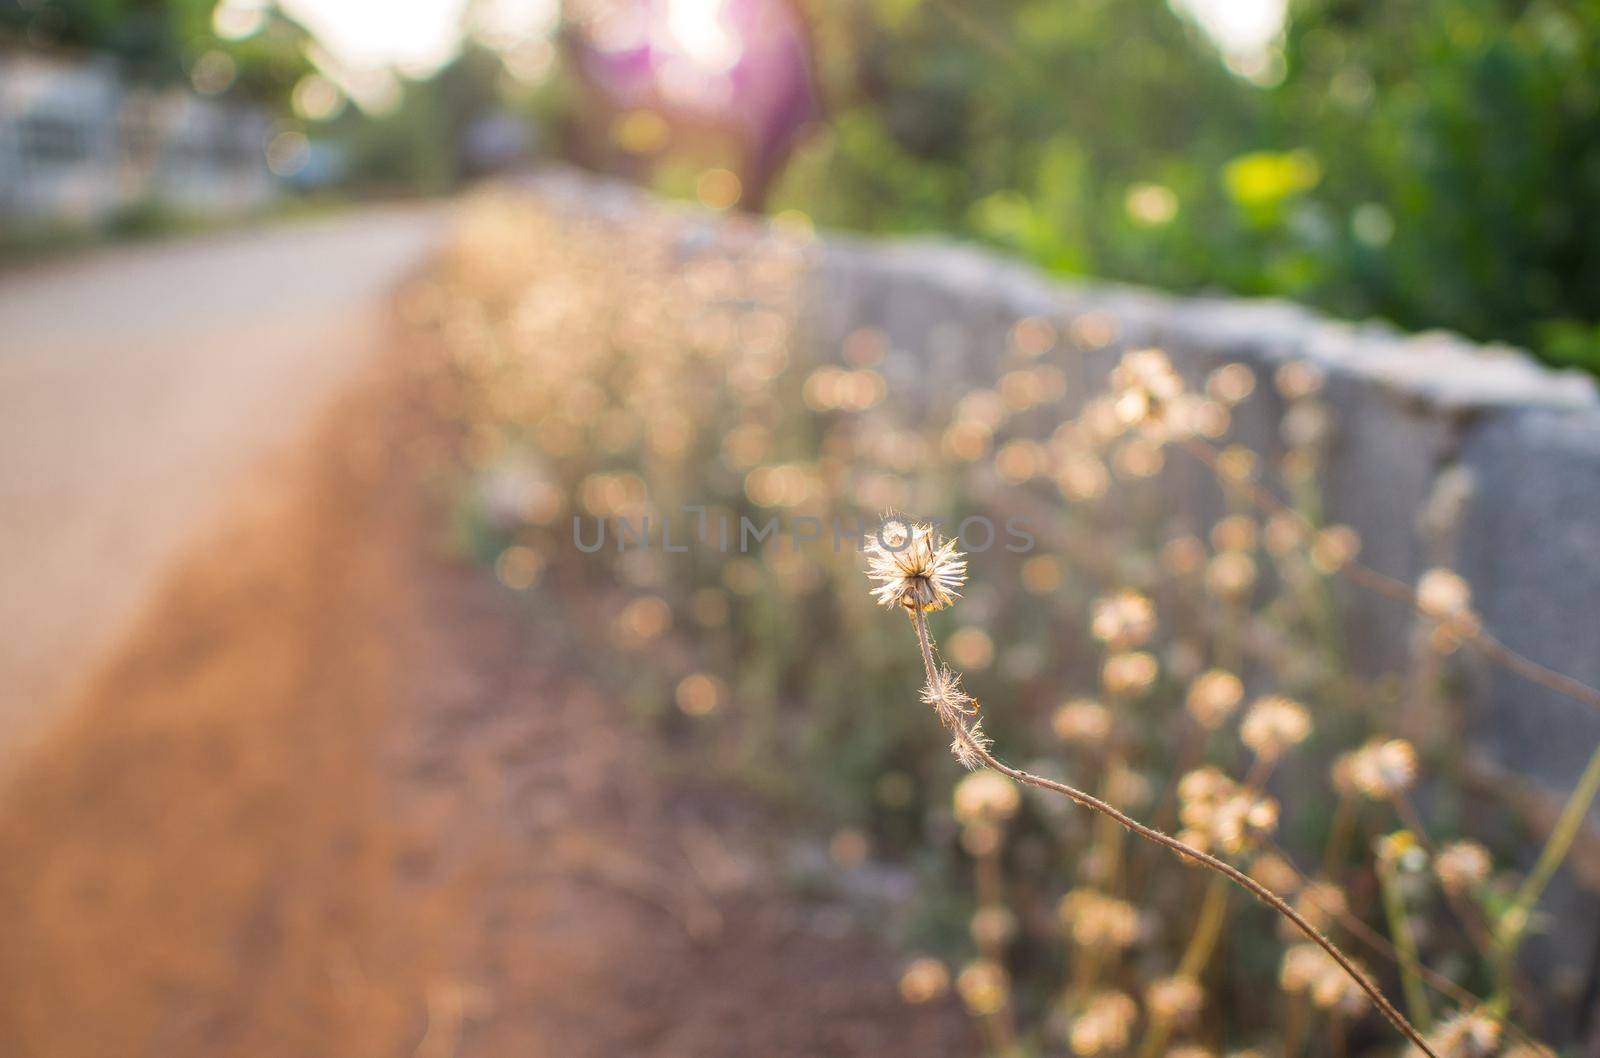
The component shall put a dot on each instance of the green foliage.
(1435, 162)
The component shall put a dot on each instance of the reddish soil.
(332, 798)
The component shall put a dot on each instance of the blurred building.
(78, 145)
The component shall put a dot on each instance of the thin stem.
(1394, 909)
(1204, 859)
(1555, 850)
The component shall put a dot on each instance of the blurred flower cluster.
(1171, 640)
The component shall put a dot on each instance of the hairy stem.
(1256, 889)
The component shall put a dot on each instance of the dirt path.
(332, 798)
(141, 388)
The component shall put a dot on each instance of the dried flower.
(913, 568)
(1445, 596)
(1094, 920)
(1274, 724)
(1124, 620)
(1082, 721)
(924, 980)
(1470, 1034)
(1130, 674)
(1174, 1000)
(1462, 866)
(984, 986)
(985, 797)
(1213, 697)
(1104, 1025)
(1308, 969)
(1383, 769)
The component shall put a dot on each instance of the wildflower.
(1462, 866)
(1124, 620)
(1126, 675)
(1174, 1000)
(1307, 969)
(1094, 920)
(1235, 533)
(1445, 596)
(1213, 697)
(1217, 812)
(985, 797)
(1399, 851)
(1320, 903)
(1082, 721)
(992, 927)
(1104, 1025)
(1274, 724)
(1143, 385)
(924, 980)
(1275, 872)
(1470, 1034)
(1382, 770)
(913, 568)
(1334, 548)
(1231, 576)
(984, 987)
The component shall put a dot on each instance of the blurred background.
(1435, 163)
(321, 321)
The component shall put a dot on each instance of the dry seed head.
(1445, 595)
(1275, 872)
(992, 927)
(1213, 696)
(985, 797)
(1382, 770)
(984, 987)
(924, 980)
(1174, 1000)
(1462, 866)
(1231, 576)
(1274, 724)
(1124, 620)
(1105, 1024)
(1320, 903)
(1097, 921)
(1470, 1034)
(1128, 675)
(913, 568)
(1082, 722)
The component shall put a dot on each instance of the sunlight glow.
(699, 31)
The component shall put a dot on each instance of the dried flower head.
(913, 568)
(1105, 1024)
(1094, 920)
(1218, 813)
(1124, 620)
(984, 987)
(992, 927)
(1130, 674)
(1307, 969)
(1444, 595)
(1174, 1000)
(1383, 769)
(985, 797)
(1143, 384)
(1213, 696)
(1469, 1034)
(1462, 866)
(924, 980)
(1082, 721)
(1273, 725)
(1231, 576)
